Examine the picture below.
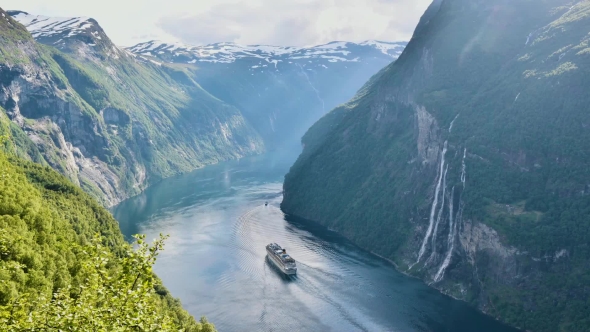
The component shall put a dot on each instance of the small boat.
(279, 257)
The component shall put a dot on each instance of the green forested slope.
(111, 123)
(64, 264)
(56, 274)
(466, 161)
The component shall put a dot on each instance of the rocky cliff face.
(111, 123)
(465, 161)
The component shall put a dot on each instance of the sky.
(270, 22)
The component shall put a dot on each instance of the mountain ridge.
(52, 31)
(277, 93)
(109, 122)
(280, 90)
(228, 52)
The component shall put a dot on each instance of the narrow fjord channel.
(214, 260)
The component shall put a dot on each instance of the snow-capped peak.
(230, 52)
(68, 32)
(44, 26)
(389, 48)
(227, 50)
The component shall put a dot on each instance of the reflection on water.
(215, 261)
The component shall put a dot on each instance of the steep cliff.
(110, 122)
(466, 160)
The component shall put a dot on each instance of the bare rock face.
(114, 116)
(69, 137)
(428, 140)
(480, 237)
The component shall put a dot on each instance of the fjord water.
(214, 260)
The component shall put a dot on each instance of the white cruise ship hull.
(276, 262)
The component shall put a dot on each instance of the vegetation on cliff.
(110, 122)
(64, 264)
(500, 84)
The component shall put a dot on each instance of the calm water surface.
(214, 261)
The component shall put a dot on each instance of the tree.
(114, 293)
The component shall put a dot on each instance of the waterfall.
(451, 224)
(451, 241)
(453, 122)
(434, 205)
(438, 218)
(317, 92)
(463, 168)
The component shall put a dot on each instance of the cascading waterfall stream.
(438, 218)
(434, 206)
(528, 39)
(451, 241)
(452, 224)
(451, 211)
(317, 92)
(433, 224)
(463, 168)
(453, 122)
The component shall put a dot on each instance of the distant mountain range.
(116, 119)
(268, 56)
(280, 90)
(66, 33)
(56, 30)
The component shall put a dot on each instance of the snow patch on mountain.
(230, 52)
(59, 31)
(392, 49)
(45, 26)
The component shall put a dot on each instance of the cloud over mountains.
(276, 22)
(297, 22)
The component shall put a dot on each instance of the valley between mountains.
(461, 156)
(115, 120)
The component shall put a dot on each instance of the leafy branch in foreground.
(56, 273)
(115, 293)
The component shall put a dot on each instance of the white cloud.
(280, 22)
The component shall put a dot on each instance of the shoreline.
(179, 174)
(397, 268)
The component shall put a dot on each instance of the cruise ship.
(279, 257)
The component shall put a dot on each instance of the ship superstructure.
(279, 257)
